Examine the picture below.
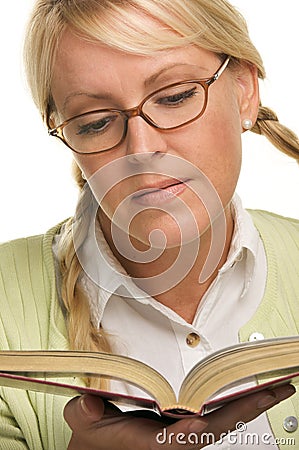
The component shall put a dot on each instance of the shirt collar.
(103, 270)
(245, 243)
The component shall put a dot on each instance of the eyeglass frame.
(137, 111)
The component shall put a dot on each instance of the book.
(274, 361)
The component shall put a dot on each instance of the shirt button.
(193, 339)
(256, 337)
(290, 424)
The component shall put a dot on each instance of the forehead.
(74, 52)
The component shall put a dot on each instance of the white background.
(36, 188)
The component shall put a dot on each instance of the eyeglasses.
(166, 109)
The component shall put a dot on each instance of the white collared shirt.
(144, 329)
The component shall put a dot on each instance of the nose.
(143, 139)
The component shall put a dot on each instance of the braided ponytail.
(83, 333)
(281, 137)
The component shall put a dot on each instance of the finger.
(251, 406)
(219, 422)
(93, 421)
(84, 411)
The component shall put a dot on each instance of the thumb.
(82, 412)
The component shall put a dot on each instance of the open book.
(274, 361)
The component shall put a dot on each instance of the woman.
(152, 98)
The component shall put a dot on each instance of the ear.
(246, 76)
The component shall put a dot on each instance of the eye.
(96, 126)
(177, 97)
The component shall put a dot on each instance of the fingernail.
(197, 425)
(267, 401)
(275, 397)
(287, 391)
(85, 407)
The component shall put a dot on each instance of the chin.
(166, 232)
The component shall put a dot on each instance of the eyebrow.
(103, 96)
(156, 75)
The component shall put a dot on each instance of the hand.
(98, 426)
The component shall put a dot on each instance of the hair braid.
(83, 334)
(283, 138)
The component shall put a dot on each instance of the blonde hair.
(214, 25)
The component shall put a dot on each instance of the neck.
(177, 279)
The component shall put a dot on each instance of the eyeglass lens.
(165, 109)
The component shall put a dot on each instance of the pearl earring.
(83, 176)
(247, 124)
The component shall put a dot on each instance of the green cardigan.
(31, 318)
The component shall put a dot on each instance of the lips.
(161, 192)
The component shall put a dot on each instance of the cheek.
(92, 163)
(213, 144)
(108, 179)
(226, 148)
(93, 167)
